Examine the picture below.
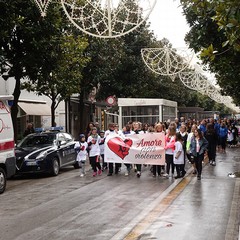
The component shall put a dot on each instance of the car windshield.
(37, 140)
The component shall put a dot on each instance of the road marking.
(140, 223)
(239, 233)
(233, 227)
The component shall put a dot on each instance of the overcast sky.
(167, 21)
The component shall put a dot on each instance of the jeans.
(198, 163)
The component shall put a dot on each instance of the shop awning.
(36, 109)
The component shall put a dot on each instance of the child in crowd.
(94, 152)
(101, 145)
(81, 149)
(178, 158)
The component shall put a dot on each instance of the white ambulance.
(7, 155)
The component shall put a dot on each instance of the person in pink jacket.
(169, 150)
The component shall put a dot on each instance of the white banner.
(145, 148)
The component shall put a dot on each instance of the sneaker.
(109, 174)
(81, 175)
(213, 163)
(166, 175)
(138, 174)
(154, 175)
(94, 174)
(176, 177)
(198, 177)
(210, 162)
(99, 172)
(126, 173)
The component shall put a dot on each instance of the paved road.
(119, 207)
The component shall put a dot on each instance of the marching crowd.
(190, 140)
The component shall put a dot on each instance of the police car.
(45, 152)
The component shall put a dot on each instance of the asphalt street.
(120, 207)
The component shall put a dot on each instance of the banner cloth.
(145, 148)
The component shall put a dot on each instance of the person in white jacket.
(81, 149)
(94, 152)
(178, 157)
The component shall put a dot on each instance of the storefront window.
(169, 113)
(143, 114)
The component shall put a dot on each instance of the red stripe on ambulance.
(6, 146)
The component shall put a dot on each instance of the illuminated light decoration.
(107, 18)
(43, 5)
(204, 82)
(166, 61)
(194, 80)
(212, 92)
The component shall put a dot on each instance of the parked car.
(45, 152)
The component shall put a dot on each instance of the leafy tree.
(215, 32)
(19, 48)
(32, 47)
(117, 69)
(64, 79)
(225, 14)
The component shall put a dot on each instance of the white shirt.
(230, 136)
(94, 148)
(108, 132)
(178, 148)
(82, 154)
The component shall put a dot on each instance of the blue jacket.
(203, 146)
(223, 132)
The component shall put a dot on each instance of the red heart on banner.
(119, 146)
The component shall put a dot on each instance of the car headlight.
(41, 155)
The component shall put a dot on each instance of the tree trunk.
(53, 113)
(14, 108)
(81, 113)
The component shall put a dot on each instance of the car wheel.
(55, 167)
(3, 180)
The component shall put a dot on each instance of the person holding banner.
(94, 152)
(112, 130)
(137, 130)
(169, 147)
(127, 131)
(157, 168)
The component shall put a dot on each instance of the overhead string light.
(107, 18)
(43, 6)
(166, 61)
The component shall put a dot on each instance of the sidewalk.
(192, 209)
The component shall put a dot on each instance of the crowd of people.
(185, 140)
